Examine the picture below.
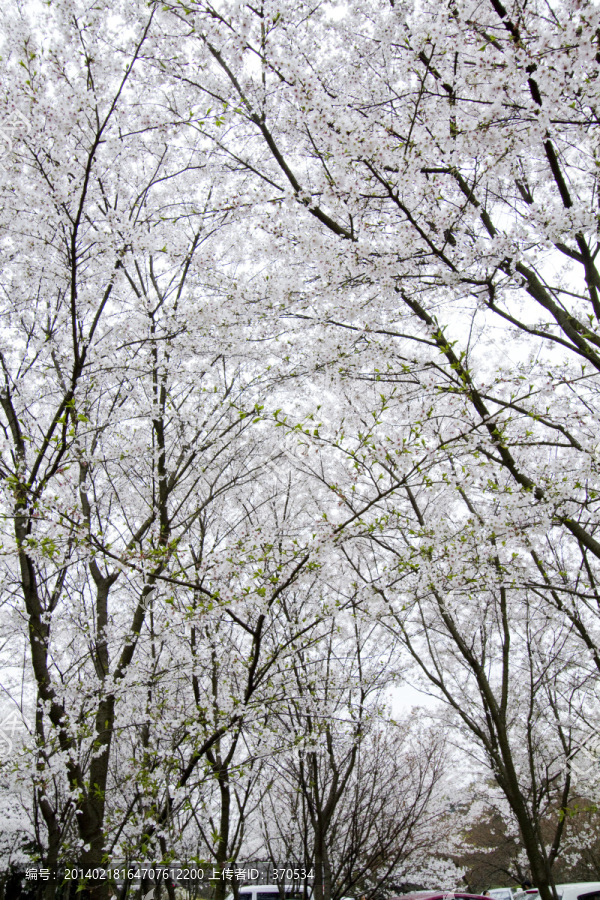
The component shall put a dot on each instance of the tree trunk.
(222, 850)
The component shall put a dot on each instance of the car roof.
(566, 891)
(574, 885)
(439, 895)
(270, 888)
(581, 885)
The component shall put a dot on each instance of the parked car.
(501, 893)
(271, 892)
(582, 890)
(441, 895)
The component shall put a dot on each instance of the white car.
(271, 892)
(501, 893)
(583, 890)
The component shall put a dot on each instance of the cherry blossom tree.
(437, 203)
(433, 173)
(124, 424)
(300, 312)
(388, 822)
